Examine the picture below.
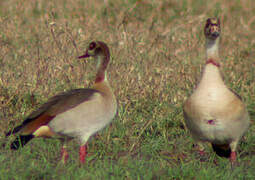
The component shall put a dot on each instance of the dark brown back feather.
(55, 105)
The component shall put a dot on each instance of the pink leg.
(200, 148)
(201, 152)
(64, 154)
(83, 153)
(233, 156)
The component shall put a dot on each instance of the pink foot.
(233, 157)
(83, 153)
(64, 155)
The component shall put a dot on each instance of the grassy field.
(157, 54)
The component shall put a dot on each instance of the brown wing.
(56, 105)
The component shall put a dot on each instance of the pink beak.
(86, 55)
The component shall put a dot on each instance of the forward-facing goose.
(214, 113)
(78, 114)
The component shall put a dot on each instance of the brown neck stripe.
(213, 62)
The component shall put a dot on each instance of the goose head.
(212, 28)
(96, 48)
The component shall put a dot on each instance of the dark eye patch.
(208, 21)
(212, 22)
(92, 45)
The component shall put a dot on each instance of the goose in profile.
(77, 114)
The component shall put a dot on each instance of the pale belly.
(216, 132)
(208, 121)
(82, 122)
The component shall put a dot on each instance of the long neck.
(103, 60)
(211, 72)
(211, 75)
(212, 49)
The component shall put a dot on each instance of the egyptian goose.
(78, 114)
(214, 113)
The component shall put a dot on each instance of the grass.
(157, 54)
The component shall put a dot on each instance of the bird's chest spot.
(211, 122)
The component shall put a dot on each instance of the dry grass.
(157, 50)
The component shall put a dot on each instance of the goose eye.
(92, 45)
